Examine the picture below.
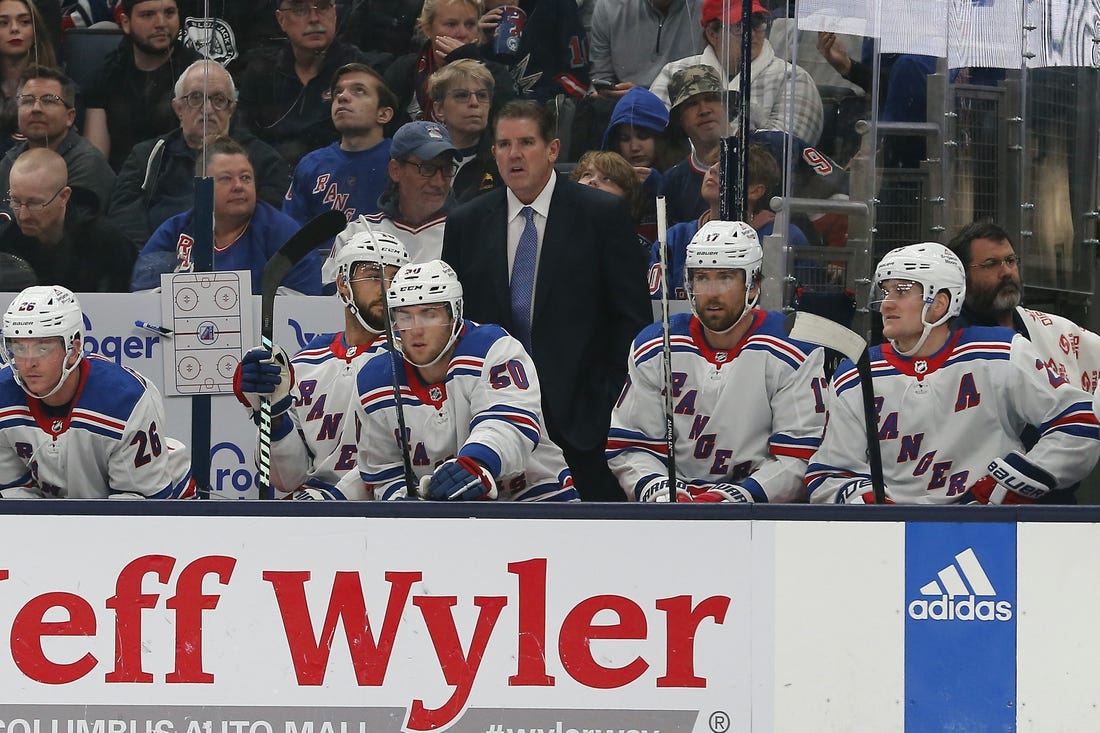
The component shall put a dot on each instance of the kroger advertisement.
(110, 330)
(362, 624)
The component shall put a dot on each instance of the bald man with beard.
(64, 244)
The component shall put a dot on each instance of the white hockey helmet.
(428, 283)
(725, 245)
(380, 248)
(932, 265)
(43, 311)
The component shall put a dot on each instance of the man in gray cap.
(697, 97)
(414, 204)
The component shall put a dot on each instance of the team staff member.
(76, 427)
(951, 404)
(558, 265)
(747, 400)
(471, 403)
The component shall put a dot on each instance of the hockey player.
(470, 399)
(748, 412)
(76, 427)
(951, 404)
(312, 400)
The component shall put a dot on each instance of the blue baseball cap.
(425, 140)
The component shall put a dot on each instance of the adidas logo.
(956, 592)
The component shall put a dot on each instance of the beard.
(150, 49)
(994, 303)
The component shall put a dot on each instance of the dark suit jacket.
(591, 298)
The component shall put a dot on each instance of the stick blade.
(314, 233)
(814, 329)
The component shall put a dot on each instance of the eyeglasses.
(462, 96)
(427, 170)
(196, 99)
(1012, 261)
(47, 100)
(302, 10)
(35, 350)
(15, 204)
(439, 315)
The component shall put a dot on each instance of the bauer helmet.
(725, 245)
(44, 311)
(932, 265)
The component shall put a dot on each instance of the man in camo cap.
(697, 97)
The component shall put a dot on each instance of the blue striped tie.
(523, 279)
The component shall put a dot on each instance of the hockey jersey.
(488, 407)
(943, 418)
(751, 416)
(109, 440)
(316, 446)
(332, 178)
(423, 243)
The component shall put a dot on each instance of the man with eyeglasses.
(747, 399)
(71, 246)
(131, 99)
(157, 180)
(470, 400)
(313, 439)
(46, 101)
(285, 91)
(953, 405)
(994, 290)
(350, 174)
(414, 205)
(773, 97)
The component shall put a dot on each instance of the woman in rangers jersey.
(470, 401)
(951, 404)
(313, 431)
(76, 427)
(747, 408)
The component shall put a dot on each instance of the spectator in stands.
(772, 99)
(762, 180)
(64, 244)
(450, 30)
(462, 94)
(631, 40)
(551, 57)
(20, 47)
(414, 206)
(247, 232)
(349, 175)
(698, 109)
(46, 113)
(637, 131)
(285, 91)
(132, 100)
(610, 172)
(157, 179)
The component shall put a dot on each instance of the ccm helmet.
(44, 311)
(379, 248)
(426, 284)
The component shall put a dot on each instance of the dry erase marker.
(158, 330)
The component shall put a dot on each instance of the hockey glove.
(1004, 484)
(312, 494)
(858, 491)
(261, 374)
(722, 492)
(657, 490)
(459, 479)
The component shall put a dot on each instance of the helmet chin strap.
(924, 335)
(455, 328)
(65, 372)
(750, 303)
(349, 303)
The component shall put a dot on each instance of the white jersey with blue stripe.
(751, 415)
(108, 440)
(488, 407)
(317, 447)
(943, 418)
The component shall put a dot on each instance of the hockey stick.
(814, 329)
(666, 280)
(411, 486)
(301, 243)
